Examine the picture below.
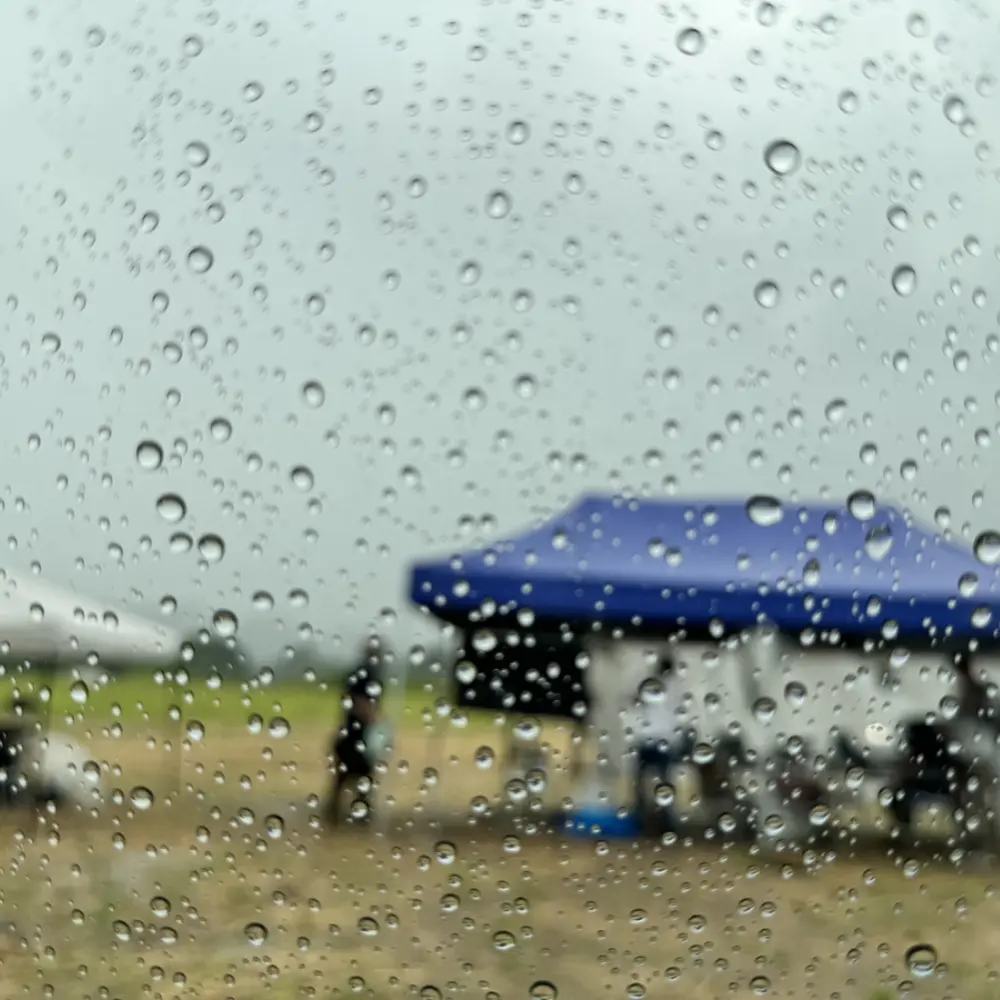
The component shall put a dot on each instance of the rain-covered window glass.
(499, 500)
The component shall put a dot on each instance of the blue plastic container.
(602, 823)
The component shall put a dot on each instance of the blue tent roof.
(694, 563)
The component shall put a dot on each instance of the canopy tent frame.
(721, 567)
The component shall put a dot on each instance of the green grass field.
(145, 701)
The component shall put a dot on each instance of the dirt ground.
(208, 874)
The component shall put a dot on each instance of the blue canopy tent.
(699, 564)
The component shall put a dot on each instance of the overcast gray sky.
(524, 249)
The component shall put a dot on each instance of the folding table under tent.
(854, 571)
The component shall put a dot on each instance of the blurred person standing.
(354, 743)
(657, 739)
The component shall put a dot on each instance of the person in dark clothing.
(658, 744)
(929, 768)
(974, 702)
(14, 732)
(351, 752)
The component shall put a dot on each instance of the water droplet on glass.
(498, 204)
(691, 41)
(921, 960)
(149, 455)
(835, 411)
(302, 478)
(255, 933)
(469, 273)
(141, 798)
(445, 852)
(764, 709)
(253, 91)
(51, 342)
(504, 941)
(181, 542)
(525, 386)
(767, 294)
(764, 510)
(862, 505)
(200, 259)
(878, 542)
(171, 508)
(848, 102)
(904, 280)
(987, 548)
(782, 157)
(652, 691)
(211, 548)
(474, 399)
(79, 692)
(197, 153)
(518, 132)
(542, 989)
(220, 429)
(225, 623)
(955, 110)
(313, 394)
(795, 694)
(898, 218)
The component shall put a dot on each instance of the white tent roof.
(39, 620)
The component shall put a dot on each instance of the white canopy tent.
(39, 621)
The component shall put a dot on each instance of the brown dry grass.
(393, 913)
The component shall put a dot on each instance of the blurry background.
(298, 293)
(294, 293)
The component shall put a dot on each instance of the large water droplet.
(782, 157)
(921, 960)
(862, 505)
(211, 548)
(691, 42)
(197, 153)
(200, 259)
(767, 294)
(878, 542)
(225, 622)
(898, 218)
(765, 510)
(904, 280)
(142, 798)
(313, 394)
(542, 989)
(987, 547)
(171, 507)
(498, 204)
(518, 132)
(302, 478)
(149, 455)
(764, 709)
(255, 933)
